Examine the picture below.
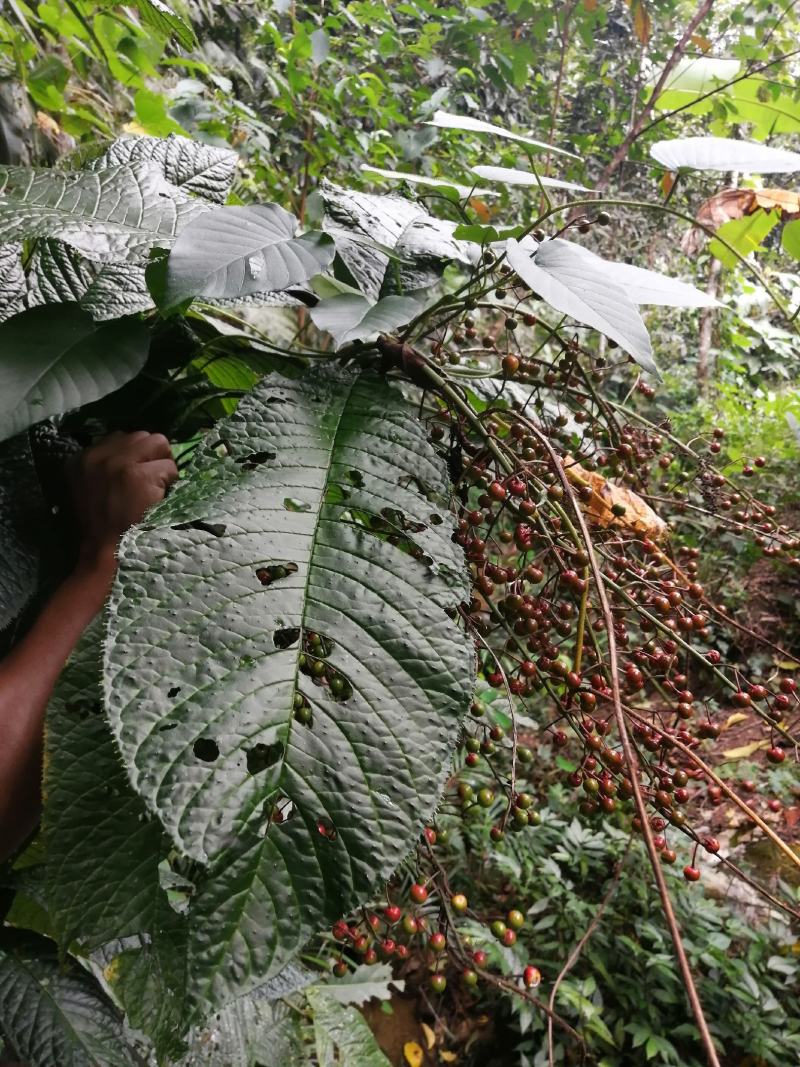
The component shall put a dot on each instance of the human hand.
(112, 486)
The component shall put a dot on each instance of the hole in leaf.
(174, 691)
(262, 756)
(291, 504)
(435, 520)
(166, 726)
(275, 571)
(275, 400)
(401, 521)
(206, 749)
(217, 529)
(255, 459)
(356, 478)
(286, 638)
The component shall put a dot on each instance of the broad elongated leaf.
(510, 176)
(54, 1014)
(365, 226)
(12, 281)
(353, 318)
(425, 179)
(447, 121)
(325, 512)
(160, 17)
(342, 1035)
(642, 286)
(57, 358)
(722, 153)
(117, 214)
(110, 890)
(239, 251)
(571, 282)
(196, 168)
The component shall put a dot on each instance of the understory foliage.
(430, 552)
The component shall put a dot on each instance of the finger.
(114, 444)
(161, 472)
(150, 446)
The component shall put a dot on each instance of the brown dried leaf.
(638, 518)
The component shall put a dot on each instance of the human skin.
(111, 486)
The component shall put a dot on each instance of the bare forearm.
(27, 678)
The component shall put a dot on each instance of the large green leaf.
(54, 1015)
(57, 358)
(111, 888)
(196, 168)
(319, 508)
(108, 215)
(57, 272)
(235, 252)
(12, 281)
(160, 17)
(746, 235)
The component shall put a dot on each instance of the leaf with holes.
(117, 214)
(57, 358)
(564, 275)
(723, 153)
(353, 318)
(52, 1013)
(281, 672)
(233, 252)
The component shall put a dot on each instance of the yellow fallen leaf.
(430, 1036)
(787, 665)
(784, 200)
(738, 716)
(745, 750)
(413, 1054)
(447, 1057)
(702, 43)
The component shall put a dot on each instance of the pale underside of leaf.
(573, 284)
(510, 176)
(642, 286)
(425, 179)
(12, 281)
(447, 121)
(116, 214)
(351, 318)
(236, 252)
(199, 647)
(723, 154)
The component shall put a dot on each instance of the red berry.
(340, 968)
(531, 977)
(392, 913)
(402, 952)
(459, 902)
(479, 956)
(418, 893)
(371, 956)
(388, 946)
(775, 754)
(340, 930)
(438, 983)
(509, 937)
(437, 941)
(691, 874)
(710, 844)
(430, 835)
(497, 490)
